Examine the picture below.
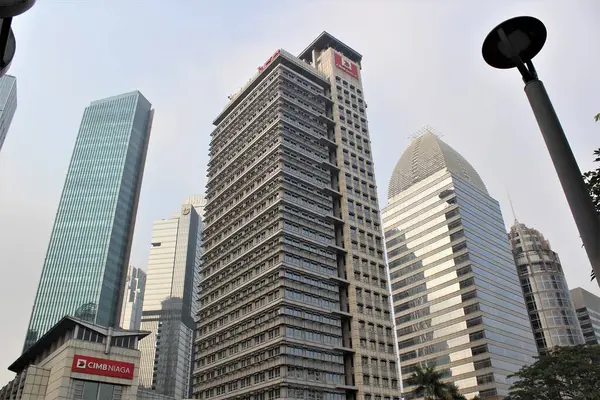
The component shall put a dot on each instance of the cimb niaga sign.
(102, 367)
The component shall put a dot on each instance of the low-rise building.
(78, 360)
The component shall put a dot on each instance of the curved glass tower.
(545, 288)
(457, 300)
(85, 268)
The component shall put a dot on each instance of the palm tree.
(452, 392)
(429, 385)
(428, 382)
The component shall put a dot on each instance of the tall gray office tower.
(170, 302)
(587, 306)
(294, 298)
(86, 263)
(8, 104)
(545, 288)
(457, 299)
(133, 299)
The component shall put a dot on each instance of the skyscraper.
(553, 318)
(587, 306)
(86, 263)
(8, 104)
(170, 302)
(457, 300)
(294, 297)
(133, 299)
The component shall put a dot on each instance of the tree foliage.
(565, 373)
(592, 181)
(429, 385)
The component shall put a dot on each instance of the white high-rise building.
(133, 298)
(8, 104)
(457, 298)
(170, 301)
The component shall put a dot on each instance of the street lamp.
(8, 10)
(513, 44)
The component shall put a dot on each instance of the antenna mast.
(425, 129)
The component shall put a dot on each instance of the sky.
(422, 65)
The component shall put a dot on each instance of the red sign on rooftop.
(266, 64)
(346, 65)
(102, 367)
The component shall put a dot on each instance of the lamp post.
(8, 10)
(513, 44)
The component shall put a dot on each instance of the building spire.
(512, 208)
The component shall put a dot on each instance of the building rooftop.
(427, 154)
(120, 96)
(326, 40)
(280, 56)
(65, 324)
(583, 298)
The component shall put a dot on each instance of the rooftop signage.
(346, 65)
(266, 64)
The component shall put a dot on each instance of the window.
(88, 390)
(479, 350)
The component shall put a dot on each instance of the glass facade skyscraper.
(86, 263)
(551, 311)
(457, 300)
(294, 300)
(8, 104)
(171, 301)
(133, 299)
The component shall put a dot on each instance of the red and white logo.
(102, 367)
(346, 65)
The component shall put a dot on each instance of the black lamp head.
(526, 37)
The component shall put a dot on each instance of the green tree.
(571, 372)
(429, 385)
(592, 181)
(452, 393)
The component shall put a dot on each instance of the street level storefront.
(78, 360)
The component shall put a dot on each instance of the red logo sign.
(346, 65)
(102, 367)
(266, 64)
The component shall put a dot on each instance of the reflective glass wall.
(170, 302)
(8, 104)
(457, 300)
(551, 311)
(85, 267)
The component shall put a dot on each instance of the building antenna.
(425, 129)
(512, 208)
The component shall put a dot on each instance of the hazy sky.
(422, 66)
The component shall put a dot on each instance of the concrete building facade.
(170, 302)
(294, 300)
(457, 300)
(551, 312)
(77, 360)
(131, 315)
(587, 306)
